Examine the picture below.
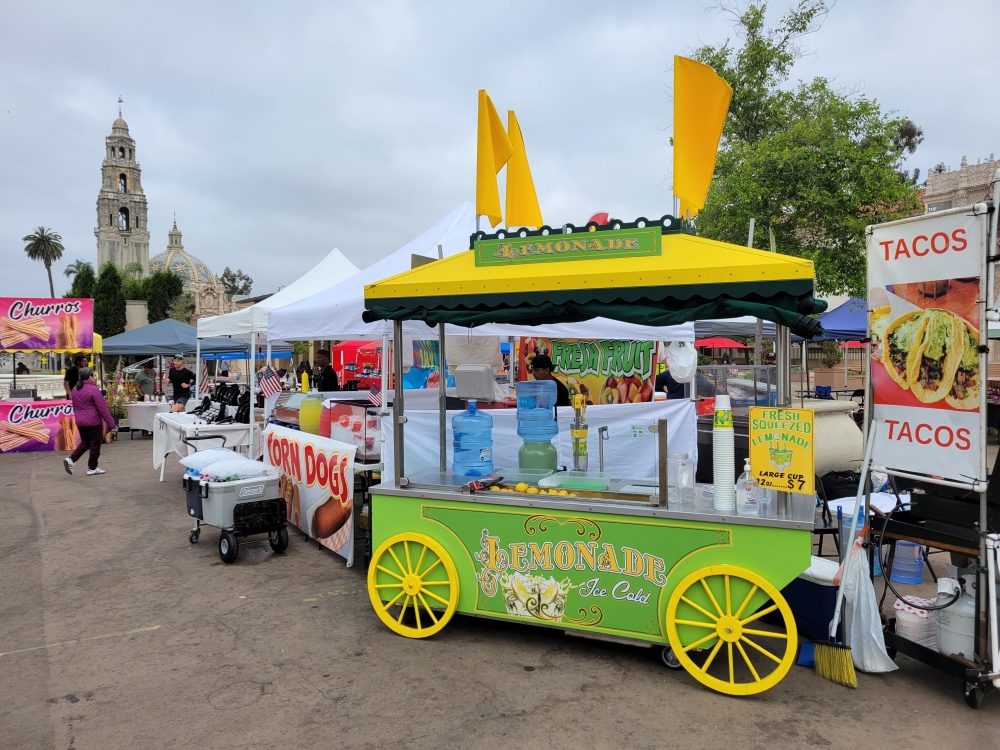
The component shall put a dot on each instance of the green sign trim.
(614, 243)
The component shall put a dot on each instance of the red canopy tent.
(719, 342)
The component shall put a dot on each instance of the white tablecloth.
(170, 428)
(141, 415)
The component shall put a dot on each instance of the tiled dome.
(188, 267)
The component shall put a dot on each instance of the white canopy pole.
(251, 371)
(197, 367)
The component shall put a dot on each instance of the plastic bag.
(200, 459)
(682, 360)
(862, 624)
(236, 468)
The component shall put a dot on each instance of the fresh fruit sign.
(606, 371)
(317, 482)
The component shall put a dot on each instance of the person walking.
(181, 378)
(91, 412)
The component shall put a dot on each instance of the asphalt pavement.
(115, 632)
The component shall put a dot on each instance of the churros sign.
(44, 426)
(46, 324)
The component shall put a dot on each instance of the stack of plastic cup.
(724, 456)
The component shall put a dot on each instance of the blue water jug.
(536, 418)
(473, 443)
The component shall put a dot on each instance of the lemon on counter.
(564, 492)
(532, 490)
(494, 488)
(521, 487)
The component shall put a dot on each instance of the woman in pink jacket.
(90, 410)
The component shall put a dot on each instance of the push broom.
(833, 661)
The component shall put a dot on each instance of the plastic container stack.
(473, 444)
(723, 456)
(536, 424)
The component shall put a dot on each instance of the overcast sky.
(278, 131)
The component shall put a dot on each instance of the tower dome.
(119, 127)
(193, 270)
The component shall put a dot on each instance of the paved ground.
(116, 633)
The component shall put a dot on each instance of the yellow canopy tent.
(648, 273)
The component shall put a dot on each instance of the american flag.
(268, 382)
(374, 396)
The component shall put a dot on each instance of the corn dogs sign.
(46, 324)
(926, 324)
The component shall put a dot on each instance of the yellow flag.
(493, 149)
(522, 202)
(701, 101)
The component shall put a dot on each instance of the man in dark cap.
(541, 368)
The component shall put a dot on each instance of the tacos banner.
(317, 482)
(46, 324)
(607, 371)
(925, 281)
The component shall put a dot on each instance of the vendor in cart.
(327, 375)
(541, 369)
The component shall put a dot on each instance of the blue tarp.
(848, 322)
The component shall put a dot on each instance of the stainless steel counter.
(800, 512)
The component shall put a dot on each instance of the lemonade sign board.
(621, 244)
(782, 449)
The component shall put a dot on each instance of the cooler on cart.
(240, 508)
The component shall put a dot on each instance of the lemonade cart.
(610, 564)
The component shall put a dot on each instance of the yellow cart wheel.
(715, 629)
(412, 570)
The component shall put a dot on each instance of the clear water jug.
(536, 424)
(680, 478)
(473, 443)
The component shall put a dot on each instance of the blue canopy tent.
(169, 337)
(846, 322)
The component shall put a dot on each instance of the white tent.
(336, 313)
(330, 271)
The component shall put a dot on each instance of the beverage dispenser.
(536, 424)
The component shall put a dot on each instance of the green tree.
(161, 291)
(109, 302)
(84, 279)
(132, 281)
(46, 246)
(236, 282)
(813, 165)
(75, 267)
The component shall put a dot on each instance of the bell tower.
(121, 231)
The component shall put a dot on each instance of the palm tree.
(46, 246)
(75, 267)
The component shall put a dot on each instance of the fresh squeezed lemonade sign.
(781, 449)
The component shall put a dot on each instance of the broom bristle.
(834, 663)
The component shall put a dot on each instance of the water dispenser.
(536, 424)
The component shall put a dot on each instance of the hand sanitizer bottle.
(746, 493)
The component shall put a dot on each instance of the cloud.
(277, 132)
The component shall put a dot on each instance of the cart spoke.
(747, 660)
(402, 569)
(402, 611)
(416, 569)
(766, 633)
(416, 612)
(435, 583)
(429, 611)
(388, 585)
(711, 596)
(394, 600)
(433, 565)
(435, 596)
(746, 601)
(732, 672)
(764, 651)
(386, 570)
(699, 608)
(759, 613)
(711, 657)
(696, 624)
(406, 551)
(700, 641)
(729, 598)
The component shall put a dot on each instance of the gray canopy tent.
(170, 337)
